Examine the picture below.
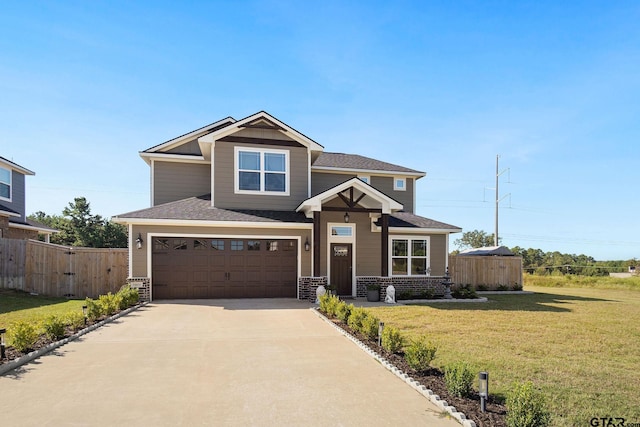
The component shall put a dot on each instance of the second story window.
(5, 184)
(262, 171)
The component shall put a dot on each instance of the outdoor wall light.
(483, 389)
(346, 217)
(139, 241)
(84, 313)
(2, 344)
(307, 246)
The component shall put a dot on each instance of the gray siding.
(322, 181)
(224, 192)
(18, 198)
(175, 181)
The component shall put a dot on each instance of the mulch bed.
(433, 379)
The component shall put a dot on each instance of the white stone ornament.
(319, 292)
(391, 295)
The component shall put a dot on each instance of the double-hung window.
(261, 171)
(5, 184)
(410, 256)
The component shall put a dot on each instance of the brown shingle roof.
(200, 209)
(355, 161)
(406, 219)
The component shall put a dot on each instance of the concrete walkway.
(212, 362)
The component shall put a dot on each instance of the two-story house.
(14, 223)
(254, 208)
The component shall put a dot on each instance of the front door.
(341, 268)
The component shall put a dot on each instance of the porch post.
(316, 244)
(384, 245)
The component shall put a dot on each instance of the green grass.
(20, 306)
(580, 346)
(572, 281)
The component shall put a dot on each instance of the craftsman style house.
(253, 208)
(14, 223)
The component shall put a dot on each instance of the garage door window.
(237, 245)
(180, 244)
(217, 245)
(160, 244)
(253, 245)
(272, 246)
(200, 245)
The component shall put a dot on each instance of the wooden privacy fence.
(54, 270)
(490, 272)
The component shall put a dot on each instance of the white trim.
(16, 167)
(10, 184)
(198, 223)
(368, 171)
(397, 187)
(32, 228)
(262, 171)
(130, 244)
(150, 236)
(178, 158)
(314, 204)
(213, 170)
(409, 256)
(153, 176)
(172, 143)
(238, 126)
(308, 173)
(342, 239)
(7, 213)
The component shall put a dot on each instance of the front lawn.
(20, 306)
(580, 346)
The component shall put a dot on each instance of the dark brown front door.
(341, 268)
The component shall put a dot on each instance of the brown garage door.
(223, 268)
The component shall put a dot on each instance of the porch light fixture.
(346, 217)
(139, 241)
(307, 246)
(483, 389)
(2, 344)
(84, 313)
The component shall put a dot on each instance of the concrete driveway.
(212, 362)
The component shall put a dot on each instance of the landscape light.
(2, 344)
(483, 389)
(380, 329)
(84, 313)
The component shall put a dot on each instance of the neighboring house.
(254, 208)
(13, 221)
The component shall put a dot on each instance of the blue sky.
(440, 86)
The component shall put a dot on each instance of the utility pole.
(498, 199)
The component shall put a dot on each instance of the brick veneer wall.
(143, 285)
(18, 233)
(4, 226)
(403, 284)
(307, 286)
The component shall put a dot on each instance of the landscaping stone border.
(423, 390)
(6, 367)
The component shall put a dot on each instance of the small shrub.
(482, 288)
(74, 319)
(109, 303)
(392, 339)
(370, 326)
(128, 297)
(358, 314)
(23, 336)
(464, 292)
(526, 407)
(420, 354)
(517, 287)
(343, 311)
(503, 287)
(94, 310)
(54, 327)
(403, 295)
(323, 302)
(459, 379)
(426, 294)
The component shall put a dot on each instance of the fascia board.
(7, 213)
(297, 136)
(31, 227)
(198, 223)
(405, 230)
(376, 172)
(181, 158)
(183, 138)
(7, 164)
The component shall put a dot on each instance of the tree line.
(538, 261)
(77, 226)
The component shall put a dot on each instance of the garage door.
(223, 268)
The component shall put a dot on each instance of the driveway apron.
(212, 362)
